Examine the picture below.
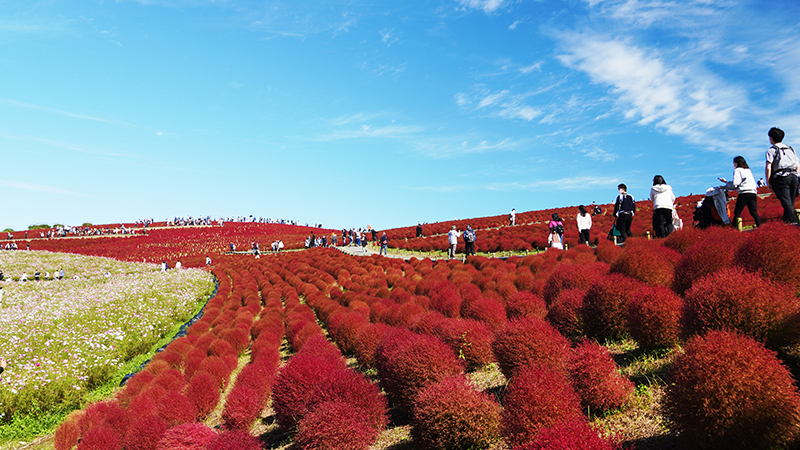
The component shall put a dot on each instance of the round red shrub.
(367, 342)
(470, 340)
(145, 433)
(572, 435)
(648, 262)
(529, 341)
(451, 414)
(565, 313)
(730, 392)
(204, 391)
(607, 252)
(334, 426)
(408, 362)
(714, 252)
(242, 407)
(445, 299)
(189, 436)
(221, 348)
(605, 306)
(654, 315)
(524, 304)
(773, 251)
(68, 433)
(238, 337)
(176, 409)
(570, 276)
(537, 398)
(171, 380)
(732, 299)
(99, 438)
(486, 310)
(344, 327)
(234, 440)
(216, 367)
(596, 378)
(683, 239)
(299, 380)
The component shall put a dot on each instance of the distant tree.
(43, 226)
(58, 225)
(8, 230)
(87, 224)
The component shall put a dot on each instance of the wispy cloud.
(447, 147)
(664, 13)
(679, 98)
(62, 112)
(488, 6)
(503, 104)
(370, 132)
(35, 187)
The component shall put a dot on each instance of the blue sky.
(355, 112)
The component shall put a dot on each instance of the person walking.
(556, 226)
(745, 184)
(663, 204)
(781, 173)
(452, 241)
(469, 241)
(512, 217)
(384, 241)
(624, 210)
(584, 220)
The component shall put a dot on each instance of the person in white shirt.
(745, 184)
(584, 220)
(452, 241)
(663, 203)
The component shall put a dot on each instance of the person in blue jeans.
(384, 241)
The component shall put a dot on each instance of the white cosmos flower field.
(57, 334)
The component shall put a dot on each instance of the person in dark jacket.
(624, 210)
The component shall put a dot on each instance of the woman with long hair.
(663, 203)
(745, 184)
(584, 220)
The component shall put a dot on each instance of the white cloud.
(528, 69)
(679, 97)
(367, 131)
(488, 6)
(645, 13)
(35, 187)
(513, 26)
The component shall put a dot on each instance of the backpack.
(780, 153)
(469, 236)
(559, 228)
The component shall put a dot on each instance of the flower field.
(65, 336)
(603, 348)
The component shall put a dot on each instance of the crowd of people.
(37, 276)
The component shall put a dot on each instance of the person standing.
(624, 210)
(745, 184)
(663, 204)
(512, 217)
(469, 241)
(419, 229)
(584, 220)
(452, 241)
(781, 173)
(384, 243)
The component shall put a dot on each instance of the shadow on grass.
(661, 442)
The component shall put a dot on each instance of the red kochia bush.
(537, 398)
(299, 380)
(523, 304)
(176, 409)
(486, 310)
(731, 299)
(573, 435)
(571, 276)
(730, 392)
(335, 425)
(713, 253)
(773, 251)
(605, 306)
(241, 408)
(471, 341)
(145, 433)
(203, 390)
(452, 414)
(344, 327)
(595, 378)
(189, 436)
(99, 438)
(654, 315)
(234, 440)
(408, 362)
(565, 313)
(367, 342)
(68, 433)
(527, 341)
(649, 263)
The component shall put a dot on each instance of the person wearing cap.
(452, 240)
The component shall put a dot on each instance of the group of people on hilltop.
(781, 172)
